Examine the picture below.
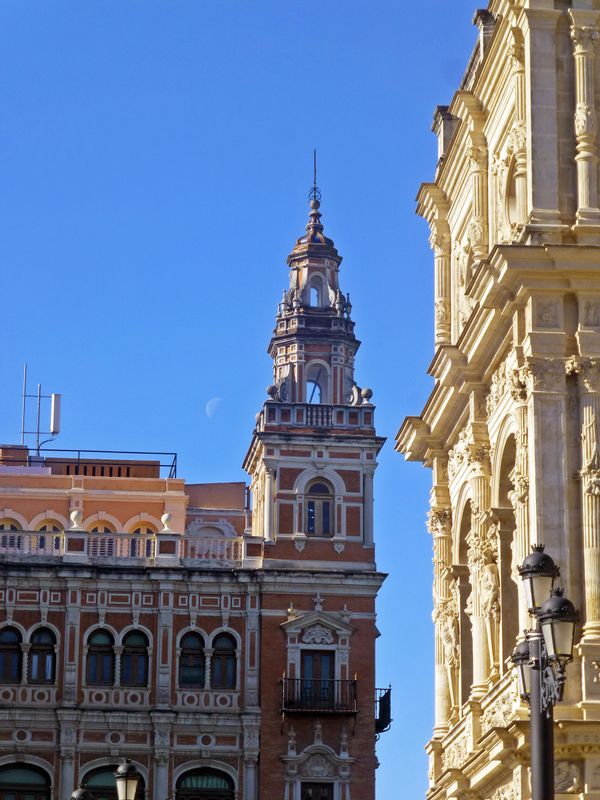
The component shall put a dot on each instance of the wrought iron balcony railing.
(383, 710)
(324, 696)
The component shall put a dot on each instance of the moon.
(212, 405)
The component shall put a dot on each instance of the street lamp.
(541, 659)
(127, 778)
(82, 794)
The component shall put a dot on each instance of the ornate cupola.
(313, 451)
(313, 344)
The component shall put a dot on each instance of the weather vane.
(315, 192)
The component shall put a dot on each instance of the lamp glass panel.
(524, 677)
(563, 634)
(131, 787)
(121, 787)
(541, 589)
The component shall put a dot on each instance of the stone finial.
(76, 518)
(166, 520)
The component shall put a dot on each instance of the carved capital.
(439, 521)
(587, 370)
(544, 375)
(584, 37)
(586, 122)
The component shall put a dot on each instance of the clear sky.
(155, 159)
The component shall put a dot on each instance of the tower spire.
(315, 192)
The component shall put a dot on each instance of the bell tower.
(313, 451)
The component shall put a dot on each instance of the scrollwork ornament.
(584, 38)
(439, 521)
(585, 120)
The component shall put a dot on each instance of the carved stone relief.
(317, 634)
(567, 777)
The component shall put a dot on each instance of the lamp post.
(82, 794)
(127, 778)
(541, 660)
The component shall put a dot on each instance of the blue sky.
(155, 159)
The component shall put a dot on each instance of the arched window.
(101, 544)
(8, 540)
(191, 661)
(315, 296)
(141, 546)
(205, 784)
(53, 541)
(42, 657)
(319, 509)
(316, 384)
(100, 668)
(223, 664)
(23, 782)
(101, 783)
(10, 655)
(134, 660)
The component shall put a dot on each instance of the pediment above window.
(317, 627)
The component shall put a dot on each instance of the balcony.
(383, 710)
(321, 696)
(120, 548)
(351, 419)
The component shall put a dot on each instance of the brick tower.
(311, 462)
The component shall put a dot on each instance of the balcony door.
(318, 670)
(317, 791)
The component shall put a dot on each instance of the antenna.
(55, 403)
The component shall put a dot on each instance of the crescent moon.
(212, 405)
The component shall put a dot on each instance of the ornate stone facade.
(511, 430)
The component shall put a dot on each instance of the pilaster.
(584, 35)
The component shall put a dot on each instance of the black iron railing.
(333, 696)
(383, 710)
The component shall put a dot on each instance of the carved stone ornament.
(476, 232)
(498, 387)
(501, 711)
(517, 138)
(566, 777)
(317, 634)
(544, 374)
(317, 766)
(591, 314)
(587, 369)
(439, 521)
(456, 753)
(595, 778)
(583, 38)
(585, 120)
(547, 314)
(506, 792)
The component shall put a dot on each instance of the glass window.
(100, 659)
(317, 791)
(191, 661)
(205, 784)
(42, 657)
(319, 517)
(101, 783)
(10, 656)
(134, 660)
(22, 782)
(223, 666)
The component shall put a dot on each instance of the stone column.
(518, 134)
(161, 775)
(208, 654)
(250, 785)
(268, 505)
(118, 651)
(588, 371)
(520, 494)
(476, 554)
(584, 37)
(67, 774)
(25, 664)
(441, 244)
(478, 227)
(446, 621)
(368, 506)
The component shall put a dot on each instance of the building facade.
(223, 638)
(511, 429)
